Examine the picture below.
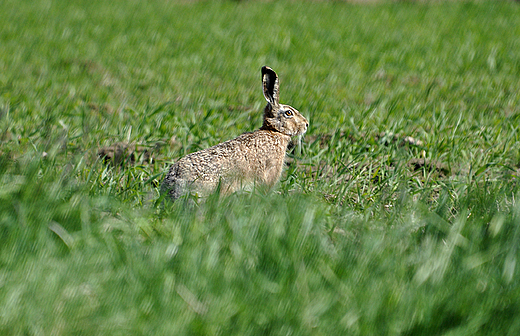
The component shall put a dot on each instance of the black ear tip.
(267, 70)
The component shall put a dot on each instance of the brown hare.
(251, 158)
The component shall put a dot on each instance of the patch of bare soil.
(428, 165)
(124, 153)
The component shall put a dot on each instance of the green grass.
(369, 232)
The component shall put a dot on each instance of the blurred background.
(397, 215)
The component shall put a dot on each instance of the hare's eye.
(288, 113)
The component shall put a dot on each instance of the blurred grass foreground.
(398, 215)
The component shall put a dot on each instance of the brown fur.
(255, 157)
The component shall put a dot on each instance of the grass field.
(397, 216)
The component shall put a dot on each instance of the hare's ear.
(271, 85)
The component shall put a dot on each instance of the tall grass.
(398, 215)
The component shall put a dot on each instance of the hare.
(253, 157)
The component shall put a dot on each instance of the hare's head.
(279, 117)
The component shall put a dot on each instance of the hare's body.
(256, 157)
